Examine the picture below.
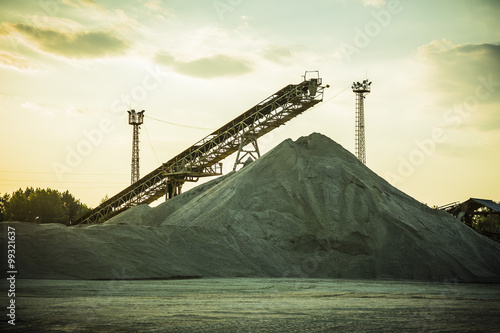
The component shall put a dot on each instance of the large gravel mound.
(307, 208)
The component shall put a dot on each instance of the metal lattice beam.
(252, 153)
(203, 158)
(135, 119)
(135, 155)
(360, 89)
(359, 139)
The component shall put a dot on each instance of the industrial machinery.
(203, 158)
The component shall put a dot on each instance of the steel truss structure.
(252, 153)
(360, 89)
(136, 120)
(203, 158)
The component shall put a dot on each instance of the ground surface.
(255, 305)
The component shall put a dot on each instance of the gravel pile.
(307, 208)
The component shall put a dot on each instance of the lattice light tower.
(135, 119)
(360, 89)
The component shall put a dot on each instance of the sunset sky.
(70, 69)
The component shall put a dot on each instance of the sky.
(70, 70)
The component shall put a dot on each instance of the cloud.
(456, 70)
(60, 24)
(78, 45)
(466, 80)
(42, 109)
(278, 54)
(53, 110)
(460, 65)
(374, 3)
(81, 3)
(153, 5)
(208, 67)
(14, 61)
(446, 52)
(483, 118)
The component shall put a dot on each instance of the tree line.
(41, 206)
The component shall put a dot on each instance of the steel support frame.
(360, 149)
(253, 152)
(202, 159)
(135, 155)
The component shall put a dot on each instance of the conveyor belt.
(202, 159)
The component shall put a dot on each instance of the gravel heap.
(307, 208)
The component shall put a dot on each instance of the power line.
(151, 144)
(62, 186)
(67, 173)
(54, 181)
(180, 125)
(109, 174)
(337, 94)
(211, 129)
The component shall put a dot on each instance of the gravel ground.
(254, 305)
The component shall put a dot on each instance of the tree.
(46, 206)
(41, 206)
(18, 207)
(70, 204)
(3, 200)
(489, 221)
(104, 199)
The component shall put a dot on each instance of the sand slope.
(307, 208)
